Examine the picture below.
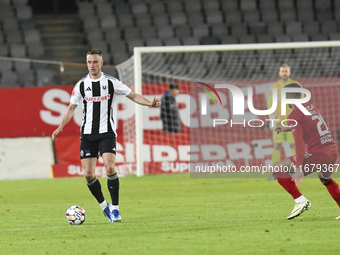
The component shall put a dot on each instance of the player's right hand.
(280, 129)
(298, 176)
(55, 133)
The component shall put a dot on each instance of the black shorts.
(90, 145)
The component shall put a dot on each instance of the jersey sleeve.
(121, 88)
(75, 96)
(298, 135)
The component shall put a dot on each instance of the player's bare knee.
(89, 176)
(110, 169)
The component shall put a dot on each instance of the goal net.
(195, 70)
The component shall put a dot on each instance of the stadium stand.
(116, 26)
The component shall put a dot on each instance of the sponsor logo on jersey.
(97, 99)
(88, 89)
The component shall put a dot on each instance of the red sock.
(286, 182)
(333, 189)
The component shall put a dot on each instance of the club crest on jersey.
(104, 87)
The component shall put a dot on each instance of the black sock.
(113, 186)
(96, 189)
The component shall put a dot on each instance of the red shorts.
(322, 164)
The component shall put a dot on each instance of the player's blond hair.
(94, 51)
(286, 66)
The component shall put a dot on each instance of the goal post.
(152, 69)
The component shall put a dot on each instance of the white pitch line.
(21, 229)
(145, 223)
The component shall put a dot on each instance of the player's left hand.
(156, 102)
(298, 176)
(280, 129)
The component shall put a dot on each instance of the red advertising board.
(37, 111)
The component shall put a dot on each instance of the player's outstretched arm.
(280, 129)
(139, 99)
(67, 116)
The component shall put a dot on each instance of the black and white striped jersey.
(98, 97)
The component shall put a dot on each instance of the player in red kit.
(316, 151)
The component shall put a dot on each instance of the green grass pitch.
(167, 214)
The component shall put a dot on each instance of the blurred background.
(43, 46)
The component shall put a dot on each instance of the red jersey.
(311, 132)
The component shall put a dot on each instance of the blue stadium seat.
(312, 27)
(143, 20)
(190, 41)
(251, 16)
(287, 15)
(201, 30)
(214, 17)
(148, 32)
(211, 5)
(274, 28)
(286, 5)
(247, 39)
(171, 41)
(153, 42)
(208, 40)
(239, 29)
(257, 28)
(229, 6)
(131, 33)
(300, 38)
(293, 28)
(269, 16)
(140, 8)
(178, 18)
(174, 6)
(183, 31)
(195, 18)
(265, 39)
(220, 30)
(233, 17)
(328, 26)
(283, 38)
(324, 14)
(165, 32)
(247, 5)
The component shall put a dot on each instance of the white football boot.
(299, 208)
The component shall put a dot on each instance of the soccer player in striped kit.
(97, 92)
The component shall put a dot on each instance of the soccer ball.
(75, 215)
